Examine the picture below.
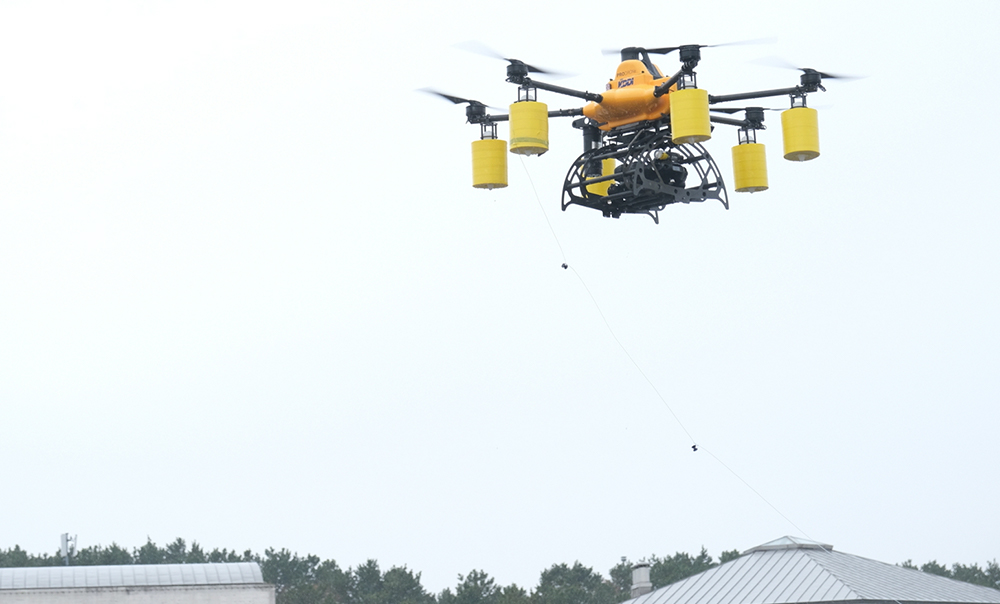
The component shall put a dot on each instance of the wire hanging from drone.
(695, 447)
(565, 265)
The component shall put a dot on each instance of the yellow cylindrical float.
(529, 128)
(607, 169)
(750, 168)
(800, 129)
(489, 163)
(689, 121)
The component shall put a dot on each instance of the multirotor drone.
(642, 136)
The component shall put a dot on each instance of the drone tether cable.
(547, 221)
(694, 446)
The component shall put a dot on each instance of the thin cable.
(625, 350)
(663, 400)
(695, 445)
(540, 207)
(757, 493)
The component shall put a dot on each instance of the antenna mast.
(67, 547)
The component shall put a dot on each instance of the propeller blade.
(481, 49)
(754, 41)
(669, 49)
(831, 76)
(662, 51)
(457, 99)
(783, 64)
(531, 68)
(454, 99)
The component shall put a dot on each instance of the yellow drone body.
(629, 98)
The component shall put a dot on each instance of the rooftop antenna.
(67, 547)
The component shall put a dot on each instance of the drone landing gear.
(651, 173)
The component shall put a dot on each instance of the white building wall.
(208, 594)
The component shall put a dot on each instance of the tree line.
(989, 576)
(310, 580)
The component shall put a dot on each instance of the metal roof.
(792, 570)
(130, 575)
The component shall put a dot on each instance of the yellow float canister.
(689, 121)
(489, 163)
(607, 169)
(750, 168)
(800, 129)
(529, 128)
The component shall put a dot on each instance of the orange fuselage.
(629, 98)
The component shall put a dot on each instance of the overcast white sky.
(249, 297)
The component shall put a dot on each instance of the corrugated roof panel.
(657, 596)
(139, 575)
(754, 582)
(703, 588)
(829, 588)
(796, 589)
(807, 573)
(773, 567)
(717, 584)
(782, 583)
(736, 573)
(746, 577)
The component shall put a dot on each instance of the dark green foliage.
(577, 584)
(728, 556)
(512, 594)
(305, 580)
(97, 555)
(16, 556)
(681, 565)
(224, 555)
(987, 577)
(934, 568)
(398, 585)
(477, 587)
(287, 571)
(402, 586)
(621, 580)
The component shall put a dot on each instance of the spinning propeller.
(481, 49)
(474, 113)
(454, 99)
(669, 49)
(783, 64)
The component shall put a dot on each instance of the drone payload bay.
(642, 137)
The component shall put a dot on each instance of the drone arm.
(741, 96)
(718, 119)
(485, 119)
(664, 88)
(588, 96)
(566, 112)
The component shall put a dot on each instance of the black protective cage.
(651, 172)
